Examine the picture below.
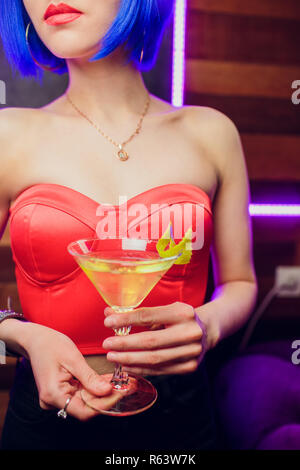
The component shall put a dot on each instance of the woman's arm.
(10, 329)
(235, 282)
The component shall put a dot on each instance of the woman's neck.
(108, 88)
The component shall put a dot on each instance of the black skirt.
(181, 419)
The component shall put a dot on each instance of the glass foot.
(137, 396)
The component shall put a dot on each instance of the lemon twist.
(167, 247)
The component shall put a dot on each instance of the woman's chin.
(77, 55)
(66, 49)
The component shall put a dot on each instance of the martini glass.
(124, 271)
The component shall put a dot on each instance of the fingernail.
(111, 356)
(107, 311)
(109, 322)
(107, 343)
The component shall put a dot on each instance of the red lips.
(59, 9)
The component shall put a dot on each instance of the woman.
(54, 167)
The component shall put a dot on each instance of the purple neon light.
(286, 210)
(179, 53)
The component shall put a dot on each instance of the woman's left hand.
(171, 346)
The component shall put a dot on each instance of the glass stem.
(120, 378)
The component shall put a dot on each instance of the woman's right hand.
(60, 371)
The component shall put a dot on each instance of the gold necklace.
(121, 154)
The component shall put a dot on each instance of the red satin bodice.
(55, 292)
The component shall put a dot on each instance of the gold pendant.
(122, 155)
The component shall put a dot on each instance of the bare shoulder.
(209, 122)
(16, 125)
(14, 121)
(216, 133)
(15, 114)
(15, 128)
(202, 120)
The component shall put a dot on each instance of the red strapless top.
(55, 292)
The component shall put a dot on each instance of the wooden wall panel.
(253, 115)
(243, 38)
(240, 79)
(242, 58)
(272, 157)
(268, 8)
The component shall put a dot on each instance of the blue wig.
(139, 25)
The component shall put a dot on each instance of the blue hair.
(139, 25)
